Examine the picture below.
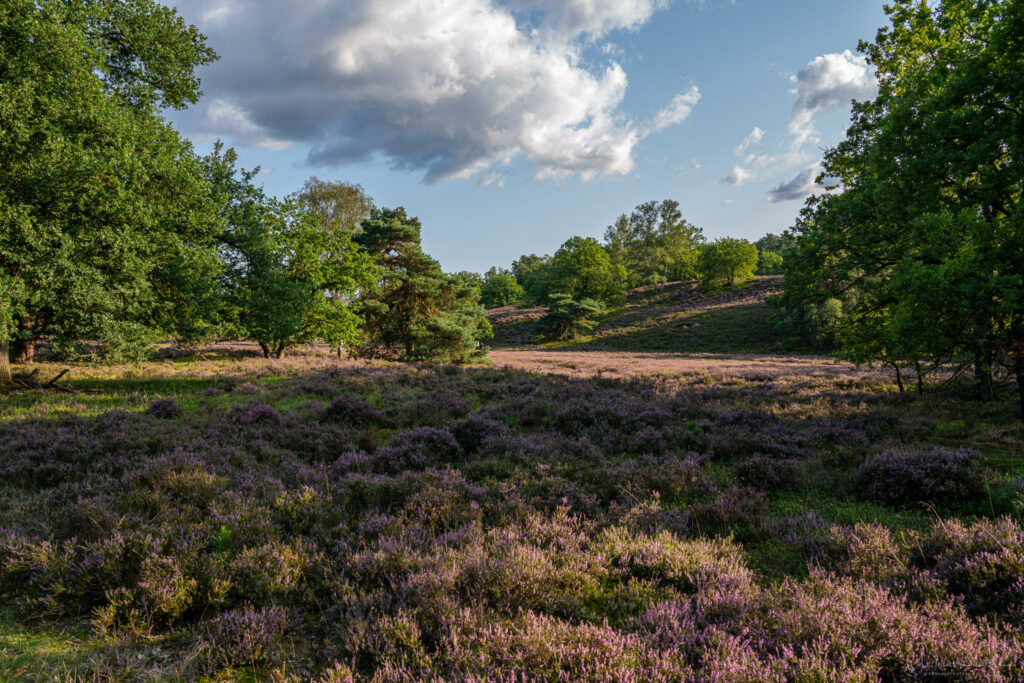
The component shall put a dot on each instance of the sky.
(508, 126)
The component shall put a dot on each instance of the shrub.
(768, 473)
(938, 475)
(164, 408)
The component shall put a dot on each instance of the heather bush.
(938, 475)
(353, 411)
(490, 525)
(164, 408)
(981, 564)
(768, 473)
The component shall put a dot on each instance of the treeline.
(651, 246)
(916, 261)
(115, 230)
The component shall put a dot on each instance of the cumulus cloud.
(800, 187)
(827, 83)
(740, 176)
(593, 17)
(447, 87)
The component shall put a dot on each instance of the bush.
(938, 475)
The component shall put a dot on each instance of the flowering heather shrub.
(475, 430)
(768, 473)
(939, 475)
(981, 564)
(244, 637)
(739, 511)
(564, 529)
(416, 449)
(164, 408)
(348, 409)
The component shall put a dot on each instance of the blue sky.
(509, 126)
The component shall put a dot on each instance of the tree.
(929, 215)
(567, 318)
(102, 200)
(769, 263)
(500, 289)
(531, 272)
(289, 277)
(416, 311)
(338, 205)
(582, 269)
(726, 259)
(654, 244)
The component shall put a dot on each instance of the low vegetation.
(327, 520)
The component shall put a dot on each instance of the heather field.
(556, 516)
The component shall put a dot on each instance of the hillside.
(676, 317)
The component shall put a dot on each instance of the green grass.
(39, 654)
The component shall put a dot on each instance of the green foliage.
(531, 272)
(725, 260)
(769, 263)
(103, 203)
(654, 244)
(289, 278)
(416, 311)
(338, 205)
(500, 288)
(582, 269)
(567, 318)
(923, 245)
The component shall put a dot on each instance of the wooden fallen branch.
(29, 382)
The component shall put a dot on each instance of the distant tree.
(416, 311)
(769, 263)
(567, 318)
(289, 279)
(469, 278)
(726, 259)
(500, 288)
(531, 272)
(339, 205)
(654, 244)
(101, 199)
(582, 269)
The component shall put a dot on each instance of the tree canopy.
(923, 244)
(103, 202)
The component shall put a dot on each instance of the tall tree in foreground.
(416, 312)
(925, 242)
(101, 199)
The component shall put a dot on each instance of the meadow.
(558, 516)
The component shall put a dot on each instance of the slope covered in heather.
(676, 317)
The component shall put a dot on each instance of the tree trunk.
(5, 365)
(24, 351)
(920, 377)
(1018, 367)
(279, 351)
(899, 377)
(265, 348)
(983, 377)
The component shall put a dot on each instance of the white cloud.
(593, 17)
(677, 111)
(447, 87)
(798, 188)
(740, 176)
(753, 139)
(827, 83)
